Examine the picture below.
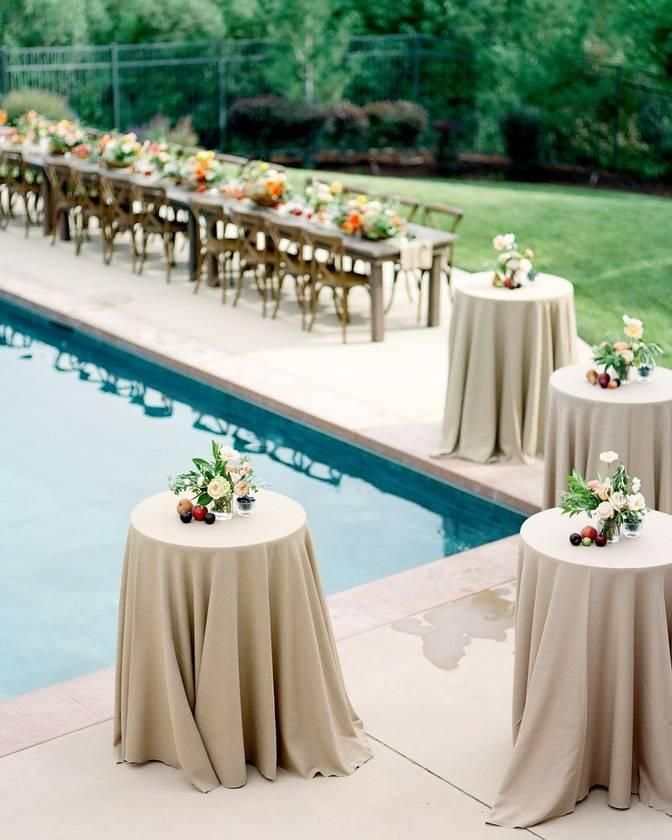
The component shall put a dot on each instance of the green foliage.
(160, 130)
(346, 127)
(521, 129)
(398, 124)
(264, 123)
(50, 105)
(578, 498)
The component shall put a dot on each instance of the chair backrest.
(431, 213)
(60, 180)
(234, 160)
(152, 200)
(289, 243)
(327, 256)
(15, 168)
(86, 188)
(120, 196)
(409, 207)
(251, 230)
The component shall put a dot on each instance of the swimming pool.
(88, 430)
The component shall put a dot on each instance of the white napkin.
(416, 254)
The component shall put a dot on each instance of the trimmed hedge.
(263, 123)
(19, 102)
(399, 123)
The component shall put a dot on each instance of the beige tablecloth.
(225, 650)
(592, 698)
(635, 420)
(504, 345)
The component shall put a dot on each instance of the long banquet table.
(375, 253)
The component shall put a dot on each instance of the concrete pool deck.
(437, 703)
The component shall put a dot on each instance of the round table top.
(544, 287)
(571, 381)
(275, 518)
(548, 533)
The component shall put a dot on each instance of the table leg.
(194, 245)
(47, 207)
(65, 227)
(434, 293)
(377, 304)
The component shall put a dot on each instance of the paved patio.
(427, 654)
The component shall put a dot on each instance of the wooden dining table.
(374, 252)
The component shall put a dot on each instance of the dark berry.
(209, 518)
(186, 516)
(575, 539)
(604, 380)
(601, 540)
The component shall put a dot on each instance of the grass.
(615, 247)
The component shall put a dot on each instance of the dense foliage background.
(581, 82)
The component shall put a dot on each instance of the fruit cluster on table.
(588, 536)
(188, 511)
(603, 379)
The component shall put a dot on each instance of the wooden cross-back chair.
(256, 255)
(290, 246)
(219, 245)
(329, 271)
(88, 204)
(24, 180)
(157, 216)
(63, 198)
(120, 214)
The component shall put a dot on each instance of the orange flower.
(274, 188)
(3, 117)
(353, 223)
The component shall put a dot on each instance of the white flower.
(628, 356)
(126, 148)
(227, 453)
(608, 457)
(513, 264)
(498, 242)
(245, 468)
(605, 510)
(509, 240)
(525, 265)
(618, 501)
(219, 487)
(637, 502)
(241, 489)
(633, 327)
(636, 484)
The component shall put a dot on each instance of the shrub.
(48, 104)
(264, 123)
(521, 130)
(448, 135)
(400, 123)
(346, 127)
(160, 130)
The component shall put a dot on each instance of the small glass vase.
(633, 530)
(245, 505)
(611, 529)
(222, 509)
(645, 372)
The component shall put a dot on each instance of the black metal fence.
(592, 114)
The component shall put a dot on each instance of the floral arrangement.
(615, 500)
(84, 151)
(371, 219)
(199, 172)
(64, 136)
(513, 266)
(3, 117)
(216, 482)
(622, 355)
(155, 156)
(321, 196)
(32, 127)
(264, 184)
(119, 151)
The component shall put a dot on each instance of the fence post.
(221, 88)
(4, 71)
(416, 43)
(617, 118)
(116, 104)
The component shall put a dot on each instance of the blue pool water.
(88, 430)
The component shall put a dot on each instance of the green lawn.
(615, 247)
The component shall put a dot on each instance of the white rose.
(618, 501)
(636, 484)
(637, 502)
(605, 510)
(218, 487)
(608, 457)
(227, 453)
(633, 327)
(628, 356)
(241, 489)
(126, 148)
(498, 242)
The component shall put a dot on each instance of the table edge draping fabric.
(592, 699)
(227, 657)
